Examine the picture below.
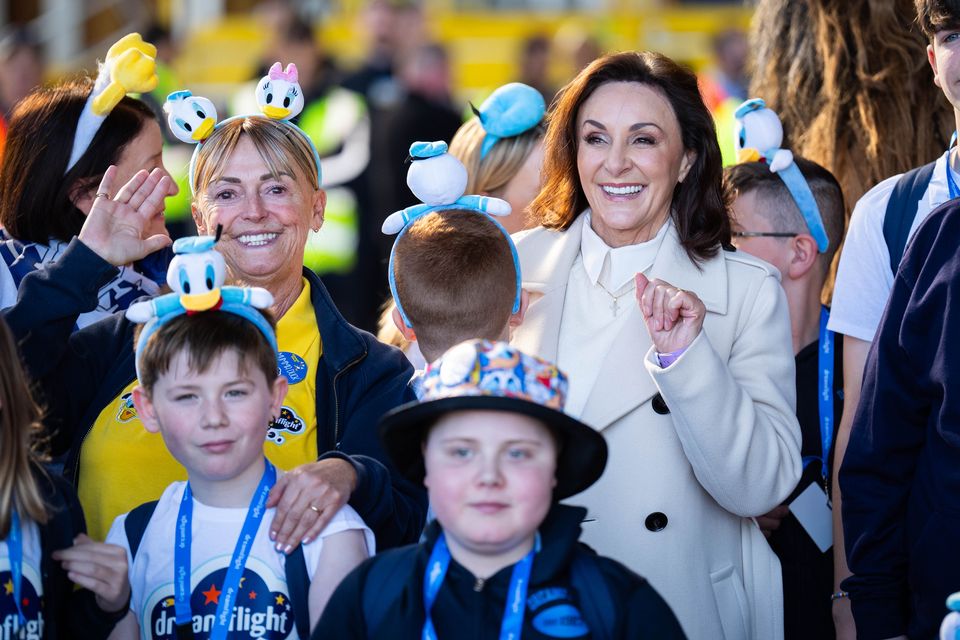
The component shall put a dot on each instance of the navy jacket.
(469, 608)
(900, 476)
(358, 380)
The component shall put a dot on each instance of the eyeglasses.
(764, 234)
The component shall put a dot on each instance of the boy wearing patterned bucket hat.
(496, 452)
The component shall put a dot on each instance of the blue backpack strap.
(384, 585)
(298, 589)
(902, 209)
(596, 601)
(136, 523)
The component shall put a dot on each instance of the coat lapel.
(623, 383)
(546, 258)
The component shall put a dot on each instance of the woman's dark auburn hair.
(698, 208)
(36, 190)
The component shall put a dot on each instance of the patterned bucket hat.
(495, 376)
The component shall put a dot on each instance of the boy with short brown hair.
(455, 278)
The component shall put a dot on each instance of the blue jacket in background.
(358, 380)
(900, 477)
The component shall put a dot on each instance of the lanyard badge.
(231, 583)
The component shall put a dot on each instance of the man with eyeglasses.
(769, 224)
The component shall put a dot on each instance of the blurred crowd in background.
(376, 75)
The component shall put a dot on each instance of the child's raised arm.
(340, 554)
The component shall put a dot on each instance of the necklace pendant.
(615, 306)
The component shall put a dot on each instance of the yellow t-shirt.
(122, 465)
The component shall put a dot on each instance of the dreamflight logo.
(10, 628)
(260, 611)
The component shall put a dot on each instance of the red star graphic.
(26, 602)
(252, 595)
(212, 595)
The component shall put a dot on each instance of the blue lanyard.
(437, 567)
(951, 182)
(825, 361)
(231, 583)
(15, 548)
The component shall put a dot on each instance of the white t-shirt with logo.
(262, 609)
(31, 587)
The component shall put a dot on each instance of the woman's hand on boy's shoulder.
(99, 567)
(307, 498)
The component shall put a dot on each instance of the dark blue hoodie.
(900, 476)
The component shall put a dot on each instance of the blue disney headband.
(196, 275)
(759, 136)
(509, 111)
(193, 119)
(439, 179)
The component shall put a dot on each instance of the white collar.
(614, 268)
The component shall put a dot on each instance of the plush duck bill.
(256, 240)
(622, 191)
(204, 130)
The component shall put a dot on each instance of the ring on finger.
(315, 509)
(103, 194)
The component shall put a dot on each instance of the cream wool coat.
(728, 449)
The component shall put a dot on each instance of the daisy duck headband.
(193, 119)
(509, 111)
(130, 67)
(196, 275)
(438, 180)
(759, 136)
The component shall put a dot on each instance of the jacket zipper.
(336, 399)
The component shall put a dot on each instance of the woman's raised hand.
(117, 226)
(673, 316)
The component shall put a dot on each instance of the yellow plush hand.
(131, 41)
(133, 69)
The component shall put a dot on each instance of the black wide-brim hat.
(498, 378)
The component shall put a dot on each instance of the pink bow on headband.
(277, 72)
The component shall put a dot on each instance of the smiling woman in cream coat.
(687, 369)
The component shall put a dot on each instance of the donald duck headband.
(193, 119)
(509, 111)
(759, 136)
(196, 275)
(130, 67)
(438, 180)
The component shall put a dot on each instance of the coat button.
(659, 406)
(656, 521)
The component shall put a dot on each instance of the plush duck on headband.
(509, 111)
(438, 179)
(190, 118)
(196, 275)
(279, 95)
(130, 67)
(759, 135)
(193, 119)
